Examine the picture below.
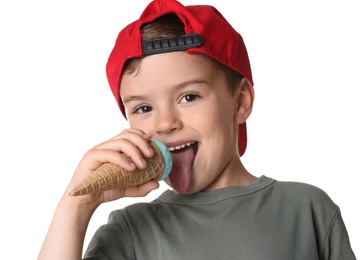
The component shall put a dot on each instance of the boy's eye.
(189, 98)
(143, 109)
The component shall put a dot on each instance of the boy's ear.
(245, 99)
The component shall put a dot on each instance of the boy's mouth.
(182, 157)
(179, 147)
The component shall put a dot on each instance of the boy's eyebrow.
(190, 82)
(132, 98)
(177, 87)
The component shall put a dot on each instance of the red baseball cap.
(207, 32)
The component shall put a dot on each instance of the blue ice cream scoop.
(166, 157)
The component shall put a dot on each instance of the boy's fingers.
(131, 131)
(122, 142)
(128, 149)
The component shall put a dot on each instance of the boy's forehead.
(171, 69)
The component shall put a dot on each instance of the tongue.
(180, 175)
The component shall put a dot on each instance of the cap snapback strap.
(179, 43)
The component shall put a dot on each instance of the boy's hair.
(201, 30)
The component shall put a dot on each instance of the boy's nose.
(167, 122)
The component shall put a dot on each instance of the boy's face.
(180, 98)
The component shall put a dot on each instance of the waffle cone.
(110, 176)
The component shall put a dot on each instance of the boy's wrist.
(78, 208)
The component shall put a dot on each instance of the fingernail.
(144, 161)
(132, 165)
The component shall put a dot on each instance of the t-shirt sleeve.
(110, 242)
(337, 243)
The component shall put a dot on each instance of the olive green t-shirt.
(268, 220)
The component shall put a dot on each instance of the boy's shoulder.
(300, 187)
(303, 193)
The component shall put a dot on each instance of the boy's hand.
(128, 150)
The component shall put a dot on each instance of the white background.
(55, 103)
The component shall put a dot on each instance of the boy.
(181, 75)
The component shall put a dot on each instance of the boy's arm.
(66, 233)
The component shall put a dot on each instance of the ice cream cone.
(110, 176)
